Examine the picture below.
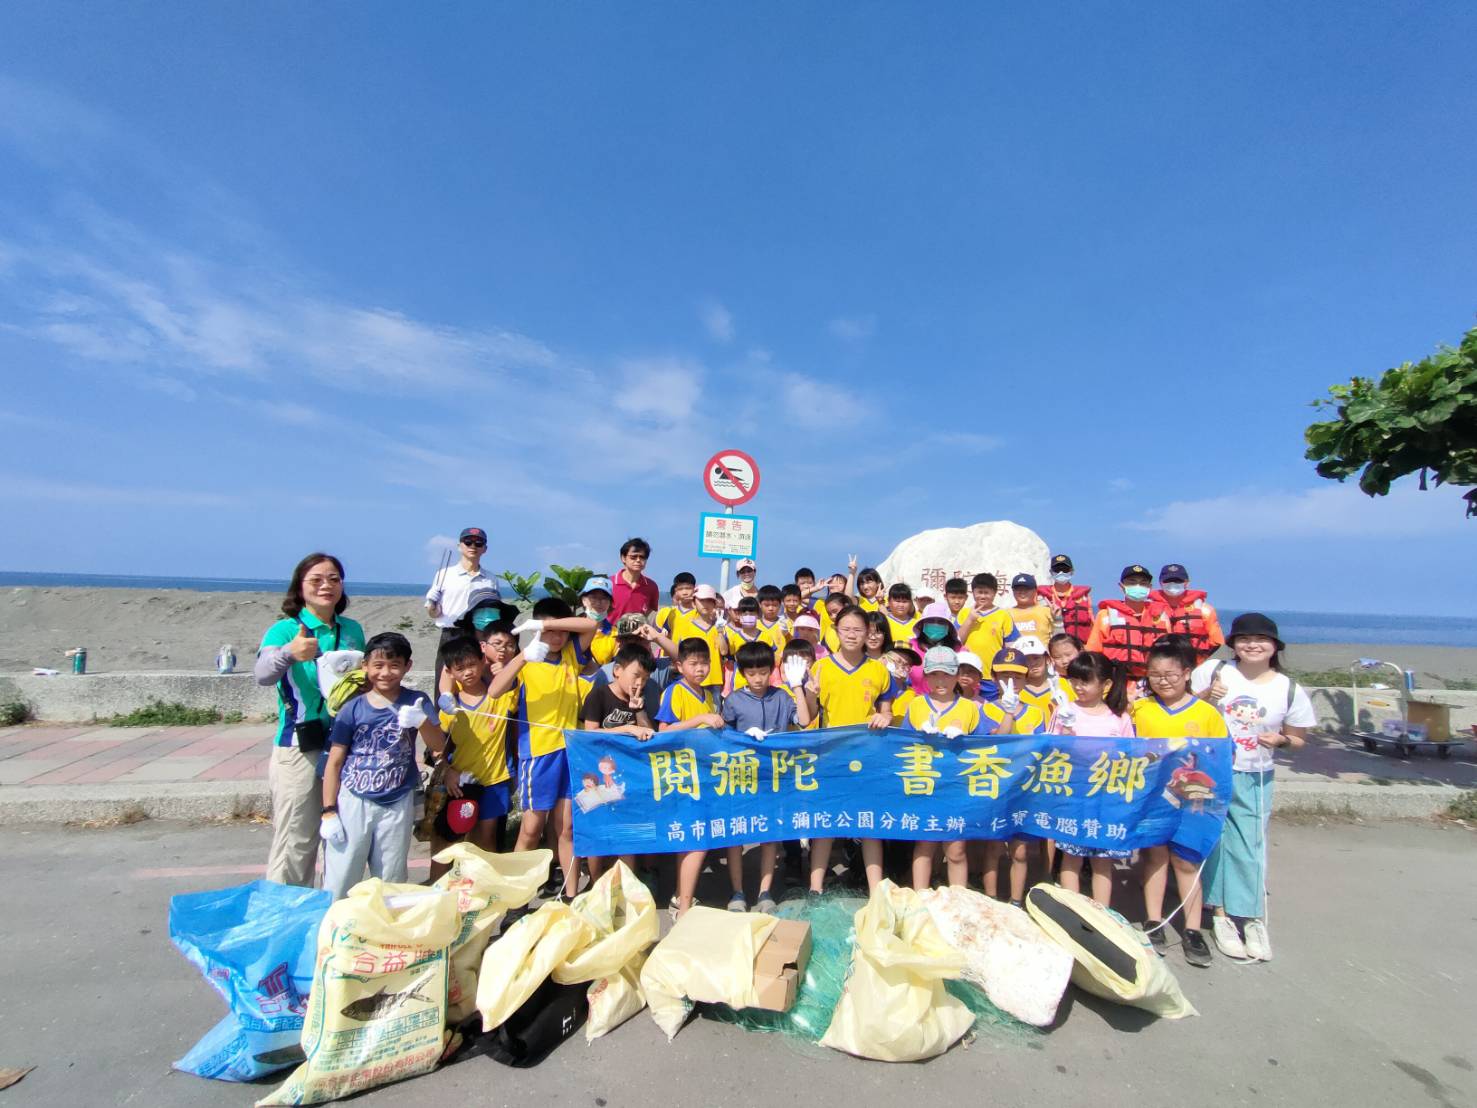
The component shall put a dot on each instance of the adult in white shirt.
(458, 588)
(1264, 710)
(748, 576)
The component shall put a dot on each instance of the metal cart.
(1390, 738)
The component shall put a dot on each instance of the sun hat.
(808, 622)
(1254, 623)
(939, 609)
(970, 658)
(630, 623)
(597, 584)
(940, 659)
(705, 592)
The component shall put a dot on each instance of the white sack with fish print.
(377, 1011)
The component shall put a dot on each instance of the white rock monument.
(928, 559)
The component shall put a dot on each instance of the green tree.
(1419, 418)
(522, 585)
(567, 584)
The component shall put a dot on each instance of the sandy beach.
(128, 630)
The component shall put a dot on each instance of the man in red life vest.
(1187, 611)
(1125, 629)
(1071, 605)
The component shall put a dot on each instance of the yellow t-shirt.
(989, 635)
(666, 618)
(1030, 721)
(1040, 699)
(963, 714)
(478, 734)
(549, 695)
(688, 628)
(902, 630)
(1035, 620)
(1196, 720)
(815, 720)
(850, 696)
(736, 639)
(866, 605)
(900, 706)
(602, 644)
(775, 634)
(681, 702)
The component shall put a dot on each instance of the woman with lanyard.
(1264, 710)
(312, 624)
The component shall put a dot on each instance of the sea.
(1310, 627)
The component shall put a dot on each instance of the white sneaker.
(1258, 942)
(1227, 941)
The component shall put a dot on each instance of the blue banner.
(702, 789)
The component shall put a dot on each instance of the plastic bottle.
(225, 659)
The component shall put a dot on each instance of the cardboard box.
(777, 994)
(788, 945)
(1435, 718)
(780, 964)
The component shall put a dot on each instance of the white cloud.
(717, 320)
(856, 328)
(1120, 484)
(818, 404)
(15, 486)
(1327, 511)
(437, 549)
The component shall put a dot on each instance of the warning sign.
(731, 477)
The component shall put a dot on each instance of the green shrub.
(156, 713)
(14, 712)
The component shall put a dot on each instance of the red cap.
(461, 815)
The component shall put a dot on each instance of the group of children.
(762, 660)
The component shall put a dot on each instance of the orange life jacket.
(1074, 609)
(1186, 617)
(1129, 634)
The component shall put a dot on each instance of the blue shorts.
(543, 779)
(492, 800)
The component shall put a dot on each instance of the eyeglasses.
(316, 581)
(477, 543)
(1166, 678)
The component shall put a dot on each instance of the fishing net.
(832, 934)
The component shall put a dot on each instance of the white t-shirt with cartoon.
(1250, 709)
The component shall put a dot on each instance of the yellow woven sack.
(1109, 960)
(707, 956)
(623, 924)
(487, 887)
(524, 956)
(894, 1007)
(377, 1009)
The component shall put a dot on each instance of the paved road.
(1372, 999)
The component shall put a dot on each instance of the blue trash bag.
(256, 943)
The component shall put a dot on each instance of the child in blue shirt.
(370, 779)
(759, 709)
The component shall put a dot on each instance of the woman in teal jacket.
(312, 624)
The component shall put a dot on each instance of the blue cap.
(1173, 572)
(1023, 581)
(597, 584)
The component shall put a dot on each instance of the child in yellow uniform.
(702, 623)
(900, 613)
(683, 586)
(1171, 711)
(1010, 715)
(771, 618)
(1038, 689)
(743, 627)
(942, 712)
(985, 628)
(685, 705)
(792, 607)
(851, 689)
(1030, 616)
(546, 676)
(870, 597)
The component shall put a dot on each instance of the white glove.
(720, 620)
(1010, 700)
(758, 734)
(795, 671)
(930, 728)
(448, 704)
(332, 829)
(536, 651)
(411, 715)
(952, 732)
(532, 626)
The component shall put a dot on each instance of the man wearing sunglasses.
(459, 588)
(633, 592)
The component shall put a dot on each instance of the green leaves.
(567, 584)
(521, 584)
(1416, 417)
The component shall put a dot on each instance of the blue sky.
(275, 277)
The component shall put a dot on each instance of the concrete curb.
(206, 800)
(185, 800)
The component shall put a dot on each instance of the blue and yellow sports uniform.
(963, 714)
(1197, 719)
(991, 631)
(850, 696)
(688, 627)
(478, 738)
(1029, 722)
(902, 629)
(681, 702)
(736, 638)
(549, 694)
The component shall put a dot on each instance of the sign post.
(731, 478)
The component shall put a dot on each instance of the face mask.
(748, 620)
(1175, 589)
(934, 633)
(593, 614)
(1136, 592)
(1062, 578)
